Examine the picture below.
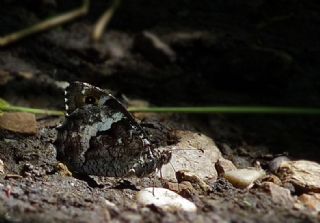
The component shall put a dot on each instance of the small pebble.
(193, 178)
(165, 199)
(63, 170)
(243, 178)
(185, 188)
(272, 178)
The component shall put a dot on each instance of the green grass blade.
(6, 107)
(31, 110)
(230, 110)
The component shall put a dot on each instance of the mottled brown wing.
(102, 138)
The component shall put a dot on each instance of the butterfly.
(100, 137)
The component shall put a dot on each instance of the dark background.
(254, 52)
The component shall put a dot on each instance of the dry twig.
(104, 21)
(45, 25)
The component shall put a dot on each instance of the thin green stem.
(230, 110)
(32, 110)
(194, 110)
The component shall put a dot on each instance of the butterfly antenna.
(175, 174)
(154, 177)
(153, 182)
(153, 186)
(160, 171)
(200, 150)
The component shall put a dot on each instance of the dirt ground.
(212, 53)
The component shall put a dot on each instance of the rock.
(303, 174)
(272, 178)
(165, 199)
(192, 178)
(243, 178)
(279, 194)
(20, 122)
(185, 188)
(172, 186)
(312, 201)
(224, 165)
(275, 164)
(63, 170)
(196, 153)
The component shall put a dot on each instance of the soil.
(212, 53)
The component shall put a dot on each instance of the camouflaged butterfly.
(100, 137)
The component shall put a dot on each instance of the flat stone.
(165, 199)
(243, 178)
(20, 122)
(195, 153)
(279, 194)
(303, 174)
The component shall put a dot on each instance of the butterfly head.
(79, 94)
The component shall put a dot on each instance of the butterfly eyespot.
(90, 100)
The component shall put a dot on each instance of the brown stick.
(45, 25)
(104, 21)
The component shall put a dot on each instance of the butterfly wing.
(101, 137)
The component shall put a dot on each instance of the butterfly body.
(100, 137)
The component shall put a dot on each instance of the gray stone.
(303, 174)
(196, 153)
